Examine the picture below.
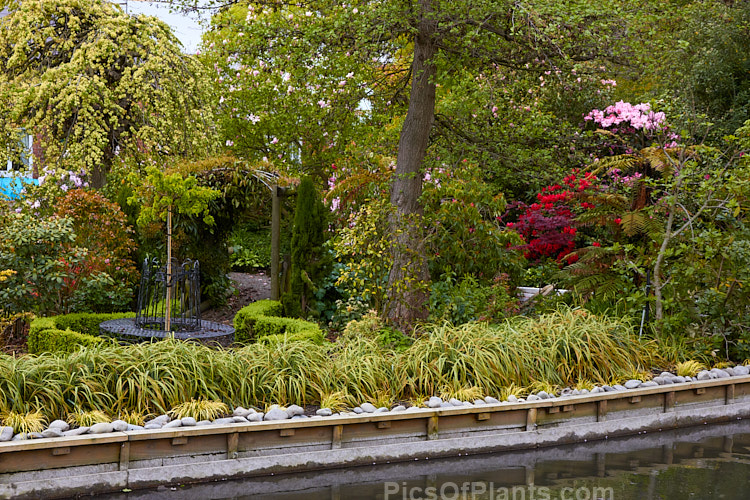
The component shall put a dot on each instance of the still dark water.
(708, 462)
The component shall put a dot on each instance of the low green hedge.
(87, 323)
(66, 332)
(54, 340)
(261, 321)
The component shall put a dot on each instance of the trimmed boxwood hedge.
(66, 332)
(261, 321)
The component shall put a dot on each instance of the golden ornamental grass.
(559, 349)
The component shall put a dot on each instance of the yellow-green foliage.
(200, 409)
(557, 348)
(461, 393)
(54, 340)
(68, 331)
(87, 418)
(689, 368)
(475, 359)
(24, 422)
(262, 320)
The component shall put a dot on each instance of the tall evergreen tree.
(309, 260)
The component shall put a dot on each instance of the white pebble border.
(240, 415)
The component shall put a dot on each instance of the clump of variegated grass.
(558, 349)
(153, 378)
(584, 384)
(133, 417)
(200, 409)
(87, 418)
(24, 423)
(721, 364)
(336, 401)
(511, 390)
(461, 393)
(689, 368)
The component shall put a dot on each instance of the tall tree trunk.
(408, 281)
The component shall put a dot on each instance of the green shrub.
(54, 340)
(262, 319)
(65, 333)
(86, 323)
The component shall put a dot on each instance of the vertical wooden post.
(275, 240)
(168, 304)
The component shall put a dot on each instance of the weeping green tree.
(310, 262)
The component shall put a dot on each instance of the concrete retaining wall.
(61, 467)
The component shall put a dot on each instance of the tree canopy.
(92, 84)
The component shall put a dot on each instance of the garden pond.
(705, 462)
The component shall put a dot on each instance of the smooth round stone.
(101, 428)
(679, 379)
(382, 409)
(446, 404)
(52, 433)
(741, 370)
(324, 412)
(434, 402)
(300, 417)
(240, 412)
(633, 384)
(120, 425)
(566, 392)
(730, 371)
(188, 422)
(239, 420)
(584, 391)
(719, 373)
(78, 431)
(575, 392)
(492, 401)
(358, 410)
(153, 426)
(21, 437)
(276, 414)
(295, 410)
(134, 427)
(666, 374)
(368, 408)
(255, 417)
(230, 420)
(468, 403)
(607, 388)
(533, 397)
(650, 383)
(480, 402)
(511, 399)
(619, 387)
(668, 380)
(203, 422)
(659, 380)
(704, 375)
(543, 395)
(455, 402)
(59, 424)
(399, 408)
(161, 419)
(6, 433)
(414, 408)
(597, 390)
(173, 424)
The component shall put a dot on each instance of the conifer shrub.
(310, 262)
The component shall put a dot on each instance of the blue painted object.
(10, 187)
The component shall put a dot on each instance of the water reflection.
(709, 462)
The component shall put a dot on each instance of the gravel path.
(249, 288)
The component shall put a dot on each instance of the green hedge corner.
(67, 332)
(262, 321)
